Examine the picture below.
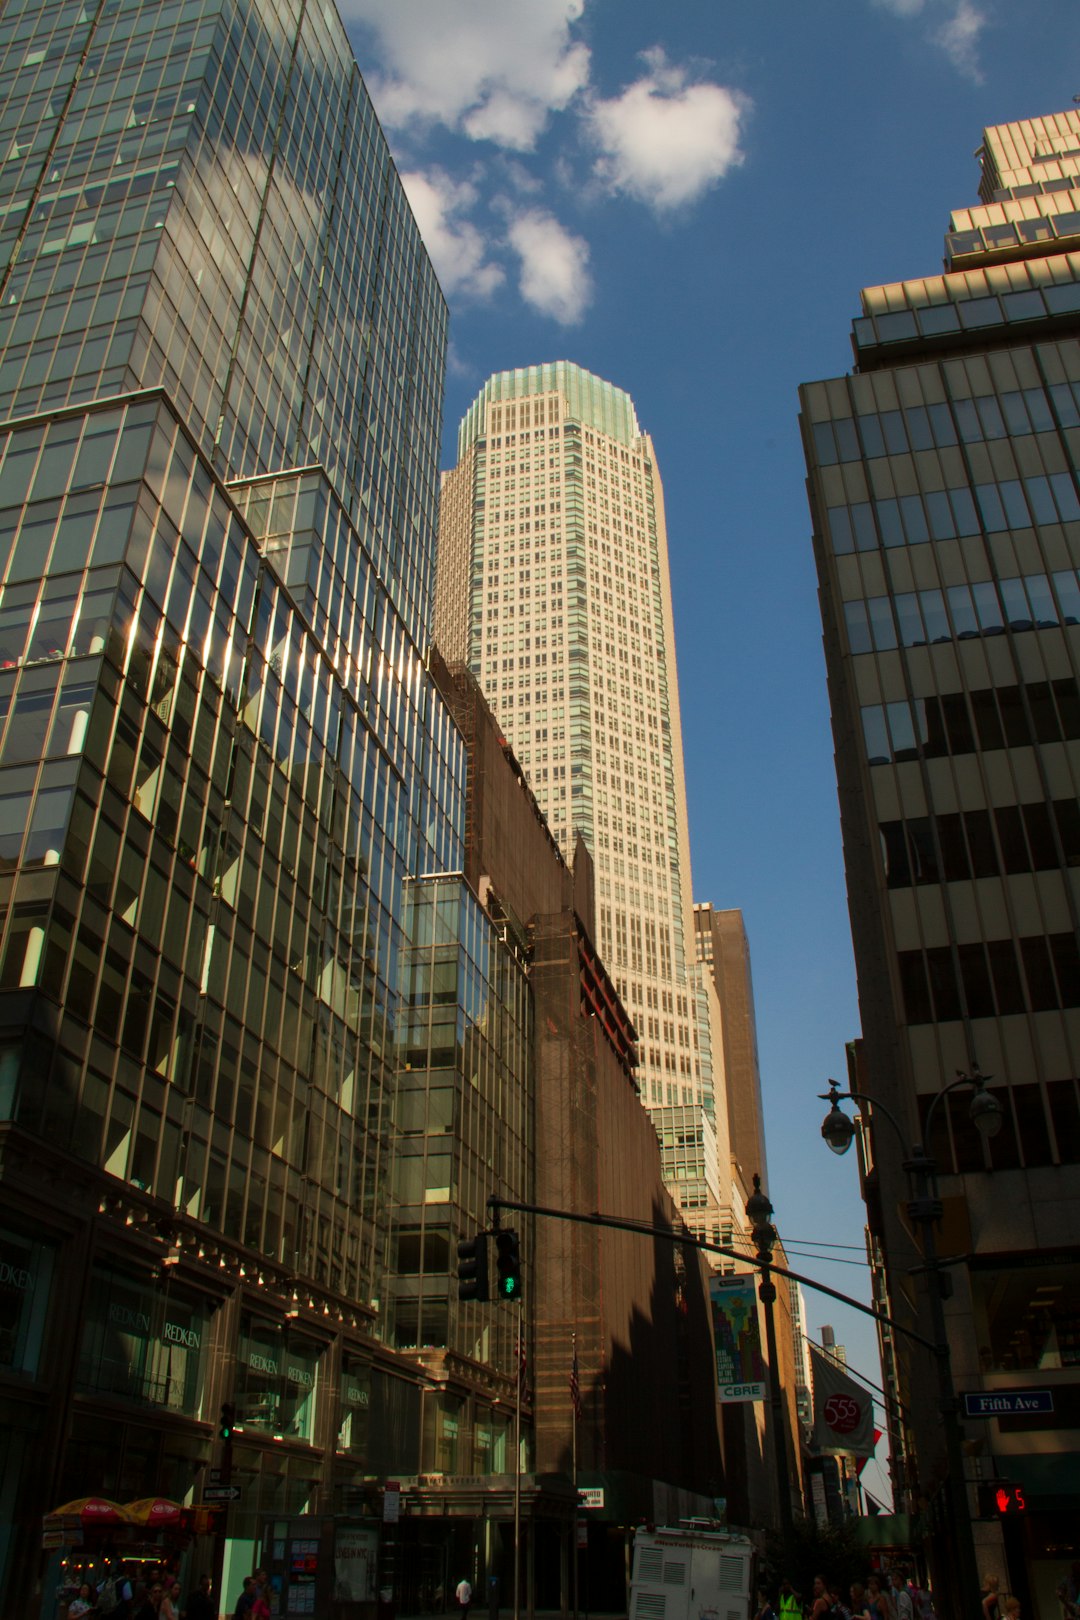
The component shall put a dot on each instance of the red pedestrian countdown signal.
(999, 1498)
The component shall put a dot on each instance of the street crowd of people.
(895, 1597)
(151, 1592)
(135, 1591)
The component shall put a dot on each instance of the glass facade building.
(945, 491)
(224, 770)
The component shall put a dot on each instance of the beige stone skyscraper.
(553, 586)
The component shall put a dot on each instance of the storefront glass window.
(25, 1275)
(277, 1380)
(445, 1425)
(355, 1405)
(143, 1344)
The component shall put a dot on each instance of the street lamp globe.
(985, 1113)
(759, 1213)
(838, 1129)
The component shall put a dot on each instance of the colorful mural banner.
(740, 1366)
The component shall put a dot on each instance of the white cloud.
(956, 33)
(492, 69)
(457, 247)
(666, 140)
(554, 266)
(959, 39)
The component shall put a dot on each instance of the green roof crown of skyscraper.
(591, 400)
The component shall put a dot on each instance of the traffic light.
(228, 1421)
(472, 1271)
(508, 1251)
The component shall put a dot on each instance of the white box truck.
(692, 1573)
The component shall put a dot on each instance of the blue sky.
(687, 200)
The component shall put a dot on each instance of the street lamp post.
(759, 1213)
(924, 1209)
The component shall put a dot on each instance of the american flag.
(575, 1385)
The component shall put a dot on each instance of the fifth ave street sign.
(989, 1403)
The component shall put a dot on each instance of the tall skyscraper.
(553, 586)
(221, 364)
(946, 505)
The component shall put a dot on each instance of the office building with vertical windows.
(221, 757)
(553, 586)
(943, 482)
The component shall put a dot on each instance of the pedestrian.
(860, 1609)
(1068, 1593)
(83, 1603)
(150, 1605)
(921, 1601)
(169, 1607)
(1012, 1608)
(791, 1604)
(246, 1600)
(991, 1604)
(200, 1605)
(903, 1606)
(878, 1600)
(765, 1610)
(115, 1594)
(463, 1593)
(820, 1604)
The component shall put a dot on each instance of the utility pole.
(759, 1212)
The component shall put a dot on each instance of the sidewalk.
(505, 1612)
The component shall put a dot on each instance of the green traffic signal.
(508, 1254)
(228, 1421)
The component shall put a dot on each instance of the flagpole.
(573, 1411)
(517, 1480)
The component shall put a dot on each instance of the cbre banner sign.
(740, 1366)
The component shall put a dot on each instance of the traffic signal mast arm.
(617, 1223)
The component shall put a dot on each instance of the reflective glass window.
(892, 529)
(1064, 489)
(1017, 608)
(882, 627)
(1067, 588)
(940, 515)
(858, 628)
(963, 506)
(26, 1267)
(914, 518)
(962, 610)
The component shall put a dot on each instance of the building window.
(142, 1342)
